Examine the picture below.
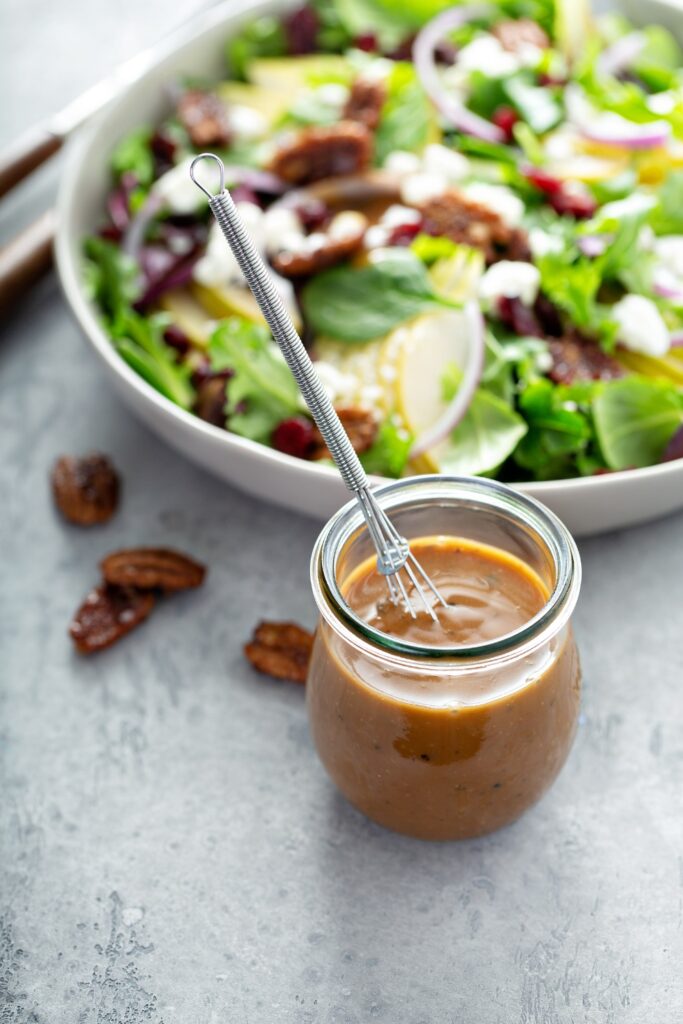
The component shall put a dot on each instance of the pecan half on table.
(470, 223)
(280, 649)
(86, 490)
(152, 569)
(107, 614)
(205, 118)
(312, 154)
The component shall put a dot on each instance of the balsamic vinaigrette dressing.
(489, 593)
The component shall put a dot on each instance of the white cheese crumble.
(669, 250)
(333, 94)
(512, 280)
(339, 386)
(641, 327)
(346, 225)
(396, 215)
(282, 230)
(486, 54)
(542, 243)
(247, 123)
(498, 198)
(218, 266)
(438, 159)
(419, 188)
(177, 189)
(401, 162)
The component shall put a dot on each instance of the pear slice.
(189, 315)
(231, 300)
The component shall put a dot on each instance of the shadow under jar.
(426, 734)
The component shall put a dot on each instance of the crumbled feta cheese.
(218, 265)
(282, 230)
(338, 385)
(418, 188)
(438, 159)
(486, 54)
(512, 280)
(561, 144)
(177, 189)
(641, 328)
(377, 70)
(661, 103)
(529, 55)
(346, 225)
(669, 250)
(333, 94)
(402, 162)
(542, 242)
(376, 237)
(246, 122)
(396, 215)
(544, 362)
(316, 240)
(498, 198)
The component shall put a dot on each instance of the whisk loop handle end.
(221, 174)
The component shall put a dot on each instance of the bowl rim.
(69, 272)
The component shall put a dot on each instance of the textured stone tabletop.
(171, 850)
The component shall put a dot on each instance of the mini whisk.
(394, 556)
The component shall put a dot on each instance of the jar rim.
(401, 495)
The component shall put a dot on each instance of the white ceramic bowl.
(587, 505)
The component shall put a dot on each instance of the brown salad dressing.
(446, 748)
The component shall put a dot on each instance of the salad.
(474, 215)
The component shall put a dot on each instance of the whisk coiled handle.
(260, 281)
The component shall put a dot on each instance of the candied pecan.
(578, 358)
(205, 118)
(470, 223)
(107, 614)
(323, 152)
(86, 490)
(365, 103)
(360, 424)
(152, 569)
(210, 403)
(515, 33)
(332, 249)
(280, 649)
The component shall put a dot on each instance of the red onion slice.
(460, 402)
(137, 229)
(676, 339)
(667, 286)
(449, 106)
(593, 245)
(609, 131)
(621, 54)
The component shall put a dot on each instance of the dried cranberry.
(110, 233)
(549, 317)
(404, 50)
(545, 79)
(547, 183)
(519, 318)
(163, 145)
(403, 234)
(573, 204)
(445, 52)
(505, 118)
(294, 437)
(301, 30)
(366, 41)
(313, 214)
(244, 194)
(177, 339)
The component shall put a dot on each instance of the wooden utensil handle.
(25, 259)
(23, 156)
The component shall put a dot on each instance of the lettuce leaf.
(406, 115)
(635, 418)
(262, 391)
(388, 455)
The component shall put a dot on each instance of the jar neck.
(414, 505)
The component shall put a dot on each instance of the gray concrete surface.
(170, 849)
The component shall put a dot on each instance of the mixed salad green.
(473, 213)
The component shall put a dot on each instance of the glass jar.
(445, 742)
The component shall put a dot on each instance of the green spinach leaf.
(359, 304)
(406, 115)
(133, 155)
